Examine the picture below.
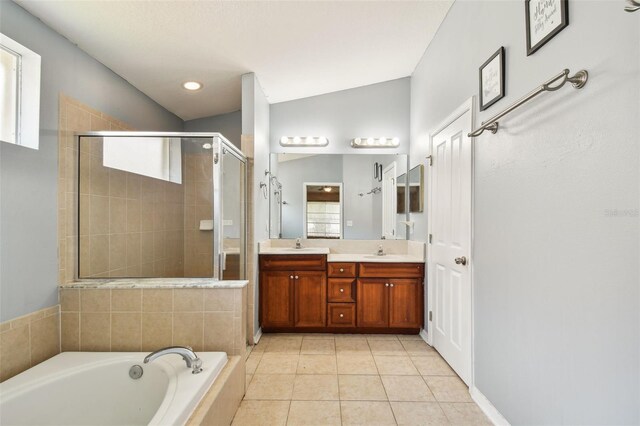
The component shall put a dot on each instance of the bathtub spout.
(189, 356)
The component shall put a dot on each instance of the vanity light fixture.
(192, 85)
(304, 141)
(375, 143)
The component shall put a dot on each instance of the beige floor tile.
(386, 347)
(395, 365)
(258, 413)
(432, 366)
(418, 413)
(405, 337)
(318, 346)
(366, 413)
(418, 348)
(317, 364)
(252, 361)
(271, 386)
(318, 336)
(284, 345)
(464, 413)
(352, 345)
(448, 388)
(247, 382)
(361, 388)
(277, 363)
(348, 336)
(356, 363)
(315, 387)
(314, 413)
(381, 337)
(407, 388)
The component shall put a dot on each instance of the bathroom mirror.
(347, 196)
(416, 189)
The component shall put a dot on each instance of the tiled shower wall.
(135, 319)
(130, 225)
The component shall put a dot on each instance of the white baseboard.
(487, 407)
(425, 336)
(257, 336)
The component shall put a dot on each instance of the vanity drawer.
(391, 270)
(341, 290)
(341, 315)
(293, 262)
(342, 269)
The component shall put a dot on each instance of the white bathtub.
(94, 388)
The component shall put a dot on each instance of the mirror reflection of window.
(323, 217)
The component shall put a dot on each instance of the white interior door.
(389, 202)
(449, 252)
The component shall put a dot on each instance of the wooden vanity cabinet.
(293, 291)
(389, 295)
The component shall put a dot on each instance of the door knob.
(461, 260)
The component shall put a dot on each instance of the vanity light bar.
(304, 141)
(375, 143)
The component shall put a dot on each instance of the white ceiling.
(297, 48)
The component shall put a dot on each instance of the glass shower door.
(230, 167)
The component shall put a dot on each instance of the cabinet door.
(276, 295)
(310, 299)
(405, 303)
(373, 306)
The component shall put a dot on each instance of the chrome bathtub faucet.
(189, 356)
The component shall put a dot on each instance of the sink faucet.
(298, 245)
(189, 356)
(380, 251)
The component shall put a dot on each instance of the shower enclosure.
(161, 205)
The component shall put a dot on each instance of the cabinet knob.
(341, 269)
(386, 284)
(342, 290)
(341, 315)
(291, 277)
(296, 277)
(391, 284)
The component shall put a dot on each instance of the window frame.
(27, 131)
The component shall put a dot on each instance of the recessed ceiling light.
(192, 85)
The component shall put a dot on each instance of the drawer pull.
(341, 269)
(342, 290)
(341, 315)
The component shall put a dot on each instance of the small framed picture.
(492, 80)
(544, 19)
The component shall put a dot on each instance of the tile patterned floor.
(327, 379)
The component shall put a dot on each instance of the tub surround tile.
(157, 300)
(129, 300)
(28, 340)
(70, 331)
(95, 332)
(188, 329)
(126, 332)
(157, 331)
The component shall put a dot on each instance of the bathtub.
(94, 388)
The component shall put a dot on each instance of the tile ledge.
(155, 283)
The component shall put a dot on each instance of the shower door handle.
(223, 260)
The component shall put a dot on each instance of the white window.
(323, 219)
(19, 94)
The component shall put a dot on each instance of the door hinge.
(430, 238)
(430, 158)
(430, 315)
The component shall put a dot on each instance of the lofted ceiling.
(296, 48)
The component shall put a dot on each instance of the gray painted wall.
(377, 110)
(557, 336)
(28, 178)
(230, 125)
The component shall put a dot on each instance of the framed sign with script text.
(492, 80)
(544, 19)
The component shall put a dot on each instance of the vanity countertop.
(291, 250)
(156, 283)
(373, 258)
